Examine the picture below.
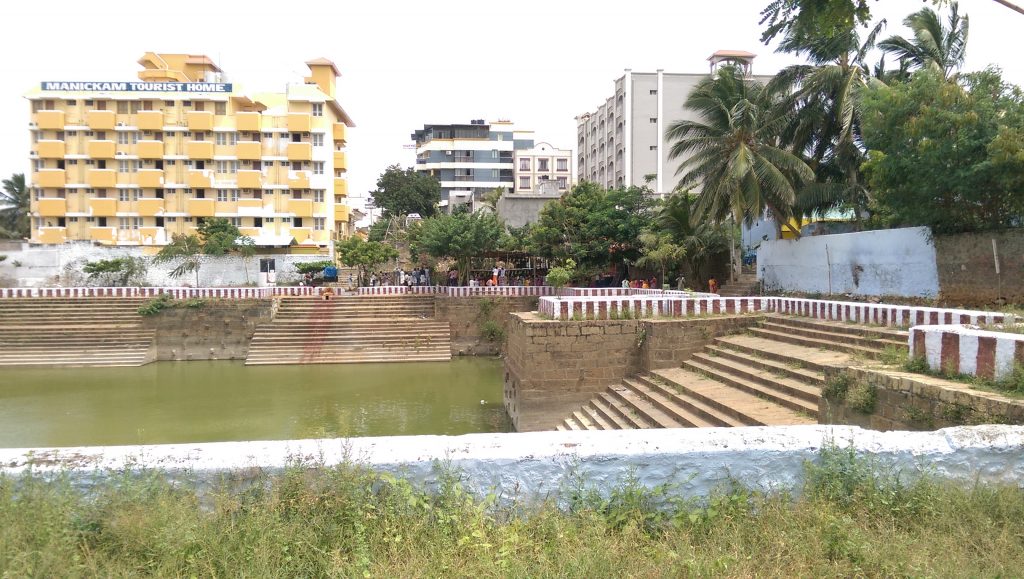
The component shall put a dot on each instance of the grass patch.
(1011, 385)
(846, 520)
(165, 301)
(893, 355)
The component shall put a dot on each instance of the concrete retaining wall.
(897, 262)
(546, 464)
(219, 330)
(958, 349)
(967, 271)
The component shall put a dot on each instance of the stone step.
(794, 355)
(683, 414)
(584, 421)
(595, 418)
(699, 412)
(752, 373)
(741, 406)
(653, 415)
(345, 359)
(811, 377)
(757, 389)
(625, 411)
(790, 338)
(611, 417)
(866, 331)
(833, 337)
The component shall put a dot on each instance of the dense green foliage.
(934, 46)
(117, 272)
(947, 155)
(404, 191)
(702, 242)
(15, 202)
(596, 228)
(347, 521)
(459, 236)
(186, 251)
(217, 235)
(363, 255)
(559, 276)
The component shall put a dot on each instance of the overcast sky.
(404, 63)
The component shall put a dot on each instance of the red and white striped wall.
(458, 291)
(958, 349)
(176, 292)
(605, 308)
(881, 314)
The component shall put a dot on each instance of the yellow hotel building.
(133, 163)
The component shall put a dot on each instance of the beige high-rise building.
(623, 143)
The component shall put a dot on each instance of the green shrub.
(917, 364)
(862, 397)
(156, 305)
(492, 331)
(836, 386)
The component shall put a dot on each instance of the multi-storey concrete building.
(470, 159)
(133, 163)
(542, 163)
(623, 142)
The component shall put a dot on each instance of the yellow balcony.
(151, 207)
(299, 122)
(199, 179)
(50, 120)
(103, 207)
(199, 121)
(201, 207)
(250, 179)
(53, 207)
(340, 212)
(199, 149)
(301, 207)
(151, 178)
(300, 151)
(339, 132)
(247, 122)
(249, 150)
(52, 234)
(151, 149)
(104, 235)
(101, 149)
(50, 149)
(298, 179)
(340, 187)
(50, 178)
(100, 120)
(250, 203)
(150, 120)
(101, 178)
(301, 234)
(340, 163)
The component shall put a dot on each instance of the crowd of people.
(416, 277)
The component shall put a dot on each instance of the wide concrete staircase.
(771, 375)
(351, 329)
(73, 332)
(745, 285)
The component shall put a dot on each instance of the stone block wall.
(967, 271)
(218, 330)
(553, 367)
(882, 400)
(467, 315)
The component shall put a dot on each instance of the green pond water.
(169, 402)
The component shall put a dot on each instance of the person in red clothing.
(713, 285)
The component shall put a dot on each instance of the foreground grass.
(347, 521)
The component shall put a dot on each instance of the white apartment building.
(543, 163)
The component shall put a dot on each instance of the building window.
(127, 166)
(524, 182)
(654, 120)
(654, 147)
(122, 107)
(318, 195)
(318, 223)
(318, 167)
(654, 91)
(122, 195)
(222, 195)
(268, 220)
(318, 139)
(562, 164)
(524, 164)
(220, 108)
(543, 164)
(318, 109)
(236, 221)
(233, 194)
(171, 219)
(563, 182)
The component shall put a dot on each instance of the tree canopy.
(403, 191)
(217, 235)
(460, 236)
(14, 207)
(364, 255)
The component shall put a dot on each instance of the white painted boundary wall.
(642, 306)
(540, 465)
(175, 292)
(968, 350)
(897, 262)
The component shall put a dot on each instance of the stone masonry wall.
(904, 401)
(218, 330)
(467, 316)
(967, 272)
(553, 367)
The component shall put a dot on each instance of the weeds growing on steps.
(846, 520)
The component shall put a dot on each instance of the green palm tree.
(825, 117)
(935, 46)
(15, 203)
(733, 154)
(701, 240)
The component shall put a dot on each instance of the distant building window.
(543, 164)
(318, 223)
(563, 182)
(318, 109)
(562, 164)
(236, 221)
(654, 120)
(220, 108)
(318, 167)
(222, 195)
(524, 164)
(122, 107)
(654, 147)
(524, 182)
(654, 91)
(318, 195)
(318, 139)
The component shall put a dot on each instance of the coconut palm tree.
(701, 241)
(935, 46)
(15, 203)
(732, 155)
(825, 115)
